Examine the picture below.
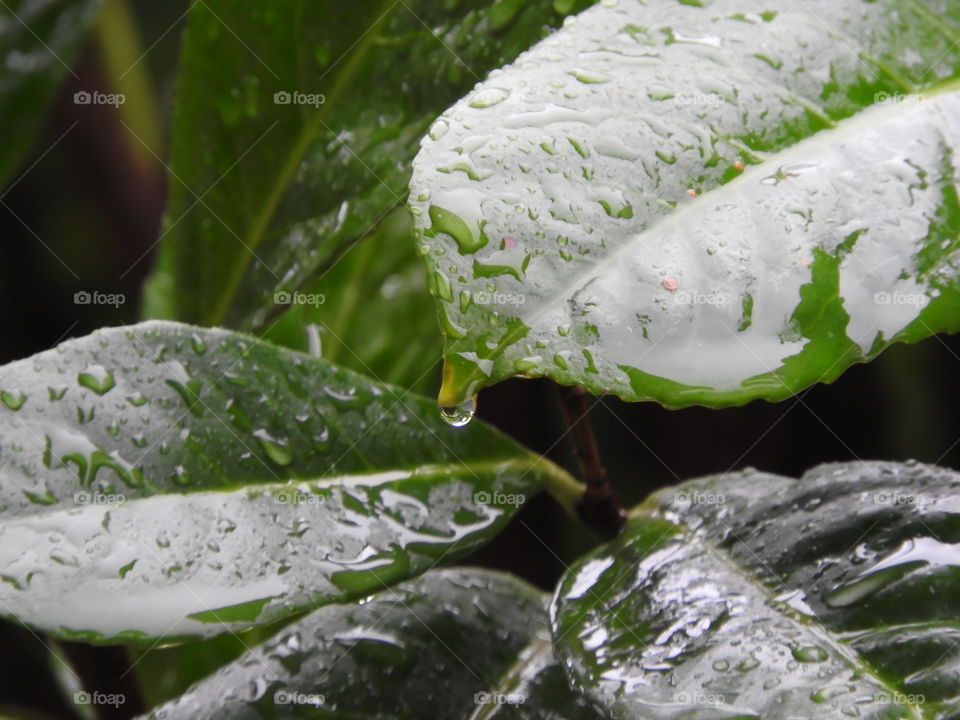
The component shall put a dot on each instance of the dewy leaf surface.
(166, 481)
(38, 41)
(758, 596)
(268, 191)
(438, 647)
(694, 203)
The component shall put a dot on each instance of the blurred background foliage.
(81, 210)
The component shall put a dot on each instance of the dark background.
(88, 194)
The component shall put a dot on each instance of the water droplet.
(198, 344)
(489, 97)
(459, 415)
(810, 653)
(13, 400)
(439, 129)
(277, 450)
(97, 378)
(589, 77)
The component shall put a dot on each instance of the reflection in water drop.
(459, 415)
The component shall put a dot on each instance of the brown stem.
(599, 508)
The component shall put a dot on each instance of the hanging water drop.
(459, 415)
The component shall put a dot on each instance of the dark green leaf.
(164, 480)
(433, 648)
(758, 596)
(379, 318)
(39, 40)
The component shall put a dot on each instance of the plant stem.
(599, 507)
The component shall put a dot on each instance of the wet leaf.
(438, 647)
(699, 202)
(294, 129)
(169, 481)
(758, 596)
(38, 41)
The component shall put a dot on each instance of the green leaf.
(693, 203)
(433, 648)
(757, 596)
(168, 481)
(378, 319)
(39, 39)
(267, 194)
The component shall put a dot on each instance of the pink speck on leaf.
(509, 242)
(670, 284)
(691, 192)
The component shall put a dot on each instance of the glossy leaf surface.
(757, 596)
(696, 202)
(164, 480)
